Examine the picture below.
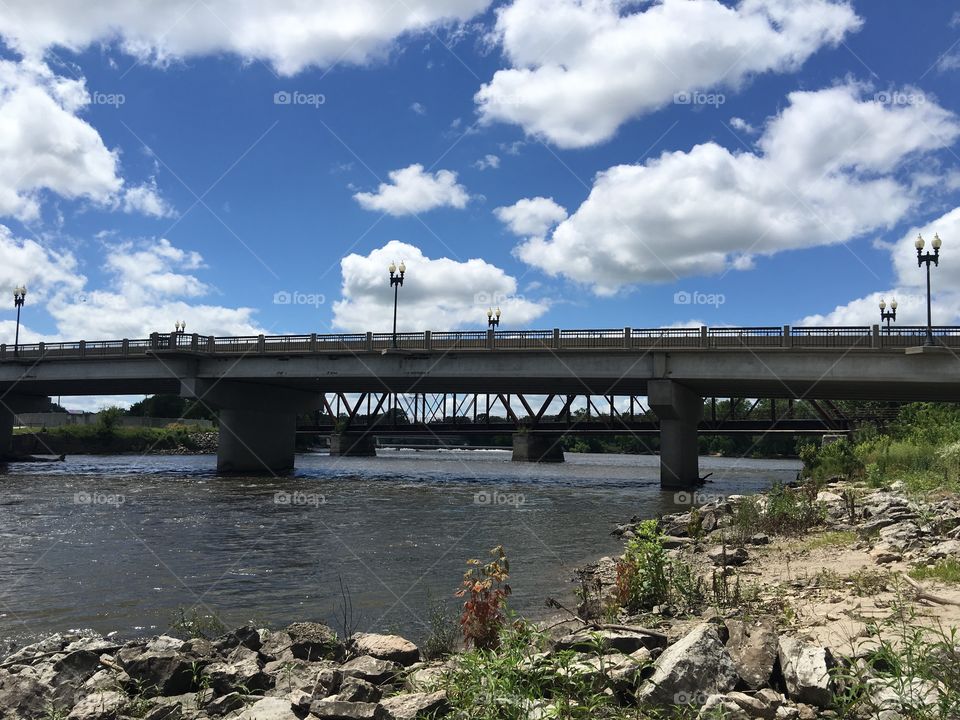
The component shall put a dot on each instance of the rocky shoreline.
(788, 633)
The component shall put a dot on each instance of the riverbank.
(99, 440)
(795, 604)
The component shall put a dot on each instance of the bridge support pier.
(679, 410)
(258, 423)
(6, 431)
(529, 447)
(353, 445)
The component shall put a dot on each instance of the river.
(117, 543)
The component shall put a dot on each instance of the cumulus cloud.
(581, 68)
(909, 287)
(437, 294)
(531, 217)
(826, 171)
(412, 190)
(149, 285)
(146, 200)
(289, 34)
(487, 162)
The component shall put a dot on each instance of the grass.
(97, 438)
(945, 571)
(831, 539)
(785, 512)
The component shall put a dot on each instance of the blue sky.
(581, 164)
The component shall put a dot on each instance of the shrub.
(487, 591)
(833, 460)
(786, 512)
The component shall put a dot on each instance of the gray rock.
(301, 676)
(225, 704)
(338, 710)
(721, 555)
(23, 695)
(269, 709)
(240, 670)
(102, 705)
(275, 645)
(753, 649)
(414, 706)
(718, 705)
(622, 640)
(371, 669)
(806, 671)
(385, 647)
(247, 636)
(314, 641)
(160, 673)
(946, 549)
(354, 689)
(698, 665)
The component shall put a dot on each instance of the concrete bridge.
(260, 384)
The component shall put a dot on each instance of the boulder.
(339, 710)
(720, 706)
(753, 649)
(290, 676)
(275, 645)
(606, 640)
(225, 704)
(23, 695)
(314, 641)
(240, 670)
(102, 705)
(371, 669)
(269, 709)
(247, 636)
(946, 549)
(385, 647)
(413, 706)
(160, 673)
(696, 666)
(806, 671)
(353, 689)
(726, 555)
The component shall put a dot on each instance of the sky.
(255, 167)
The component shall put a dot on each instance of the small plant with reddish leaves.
(486, 590)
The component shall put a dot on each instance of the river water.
(118, 543)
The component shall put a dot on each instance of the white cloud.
(419, 109)
(742, 125)
(910, 289)
(289, 34)
(826, 171)
(149, 286)
(437, 294)
(487, 162)
(146, 199)
(531, 217)
(581, 68)
(412, 190)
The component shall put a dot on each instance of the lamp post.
(19, 295)
(888, 316)
(493, 321)
(928, 258)
(181, 326)
(396, 280)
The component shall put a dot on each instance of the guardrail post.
(556, 338)
(194, 342)
(211, 344)
(704, 336)
(154, 341)
(627, 337)
(172, 342)
(875, 337)
(427, 340)
(787, 337)
(313, 342)
(125, 348)
(490, 338)
(3, 351)
(83, 348)
(369, 342)
(43, 349)
(261, 344)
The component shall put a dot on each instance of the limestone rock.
(721, 555)
(414, 706)
(339, 710)
(385, 647)
(753, 648)
(102, 705)
(269, 709)
(806, 671)
(314, 641)
(371, 669)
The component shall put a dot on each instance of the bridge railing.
(812, 338)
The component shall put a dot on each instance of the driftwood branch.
(923, 594)
(604, 626)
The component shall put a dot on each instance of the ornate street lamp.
(181, 326)
(492, 321)
(19, 295)
(888, 316)
(928, 258)
(395, 282)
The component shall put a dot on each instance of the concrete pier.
(529, 447)
(355, 444)
(679, 410)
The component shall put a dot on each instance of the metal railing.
(623, 339)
